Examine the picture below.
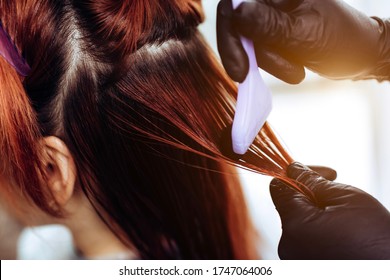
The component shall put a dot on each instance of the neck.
(93, 238)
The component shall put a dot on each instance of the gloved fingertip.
(331, 175)
(326, 172)
(295, 78)
(236, 73)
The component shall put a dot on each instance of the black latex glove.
(327, 36)
(344, 223)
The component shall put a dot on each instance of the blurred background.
(340, 124)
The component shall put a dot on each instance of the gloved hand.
(343, 223)
(327, 36)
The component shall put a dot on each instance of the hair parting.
(143, 105)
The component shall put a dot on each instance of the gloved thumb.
(289, 202)
(232, 53)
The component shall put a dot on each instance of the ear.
(60, 169)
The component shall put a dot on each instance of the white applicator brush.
(254, 102)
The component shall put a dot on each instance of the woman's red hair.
(143, 105)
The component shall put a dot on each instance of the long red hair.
(142, 103)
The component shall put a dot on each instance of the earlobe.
(60, 170)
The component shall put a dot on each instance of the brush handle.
(247, 44)
(254, 102)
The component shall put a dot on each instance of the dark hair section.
(142, 103)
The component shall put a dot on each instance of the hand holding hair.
(343, 223)
(329, 37)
